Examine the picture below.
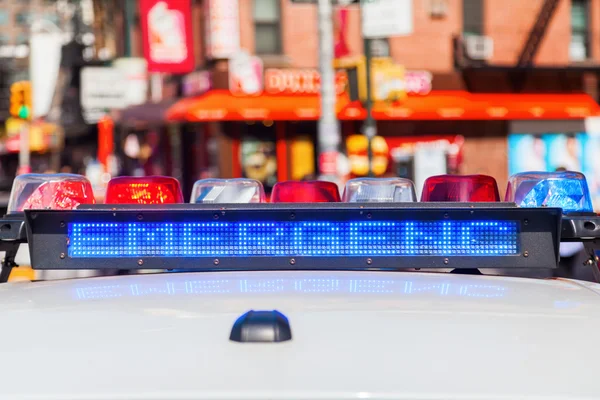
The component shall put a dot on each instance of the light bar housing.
(295, 236)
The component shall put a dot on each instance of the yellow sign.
(20, 100)
(39, 133)
(357, 148)
(302, 151)
(387, 78)
(387, 82)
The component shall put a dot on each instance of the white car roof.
(378, 335)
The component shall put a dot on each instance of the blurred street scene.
(279, 90)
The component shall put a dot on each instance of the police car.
(309, 296)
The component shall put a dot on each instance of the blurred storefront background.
(216, 88)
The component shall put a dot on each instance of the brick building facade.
(534, 46)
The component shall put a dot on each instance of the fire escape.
(532, 44)
(537, 32)
(517, 73)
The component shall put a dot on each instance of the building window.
(22, 18)
(52, 18)
(22, 38)
(267, 29)
(473, 17)
(579, 47)
(4, 17)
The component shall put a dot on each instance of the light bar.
(307, 236)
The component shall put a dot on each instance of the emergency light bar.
(377, 225)
(306, 236)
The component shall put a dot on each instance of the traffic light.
(20, 100)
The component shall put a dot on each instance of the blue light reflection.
(293, 238)
(311, 285)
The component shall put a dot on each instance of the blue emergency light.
(567, 190)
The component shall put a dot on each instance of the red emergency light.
(305, 192)
(460, 188)
(143, 190)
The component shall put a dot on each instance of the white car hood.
(355, 335)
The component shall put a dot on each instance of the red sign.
(245, 74)
(167, 35)
(299, 81)
(105, 140)
(328, 163)
(340, 33)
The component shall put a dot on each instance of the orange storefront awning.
(221, 105)
(461, 105)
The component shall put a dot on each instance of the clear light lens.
(216, 191)
(379, 190)
(567, 190)
(49, 191)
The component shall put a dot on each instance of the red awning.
(460, 105)
(220, 105)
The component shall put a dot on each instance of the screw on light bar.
(379, 190)
(228, 191)
(567, 190)
(305, 192)
(460, 188)
(49, 191)
(143, 190)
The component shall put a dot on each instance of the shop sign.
(418, 82)
(328, 163)
(196, 83)
(135, 73)
(42, 136)
(14, 51)
(167, 35)
(300, 81)
(388, 82)
(102, 88)
(44, 65)
(386, 18)
(222, 28)
(245, 74)
(392, 82)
